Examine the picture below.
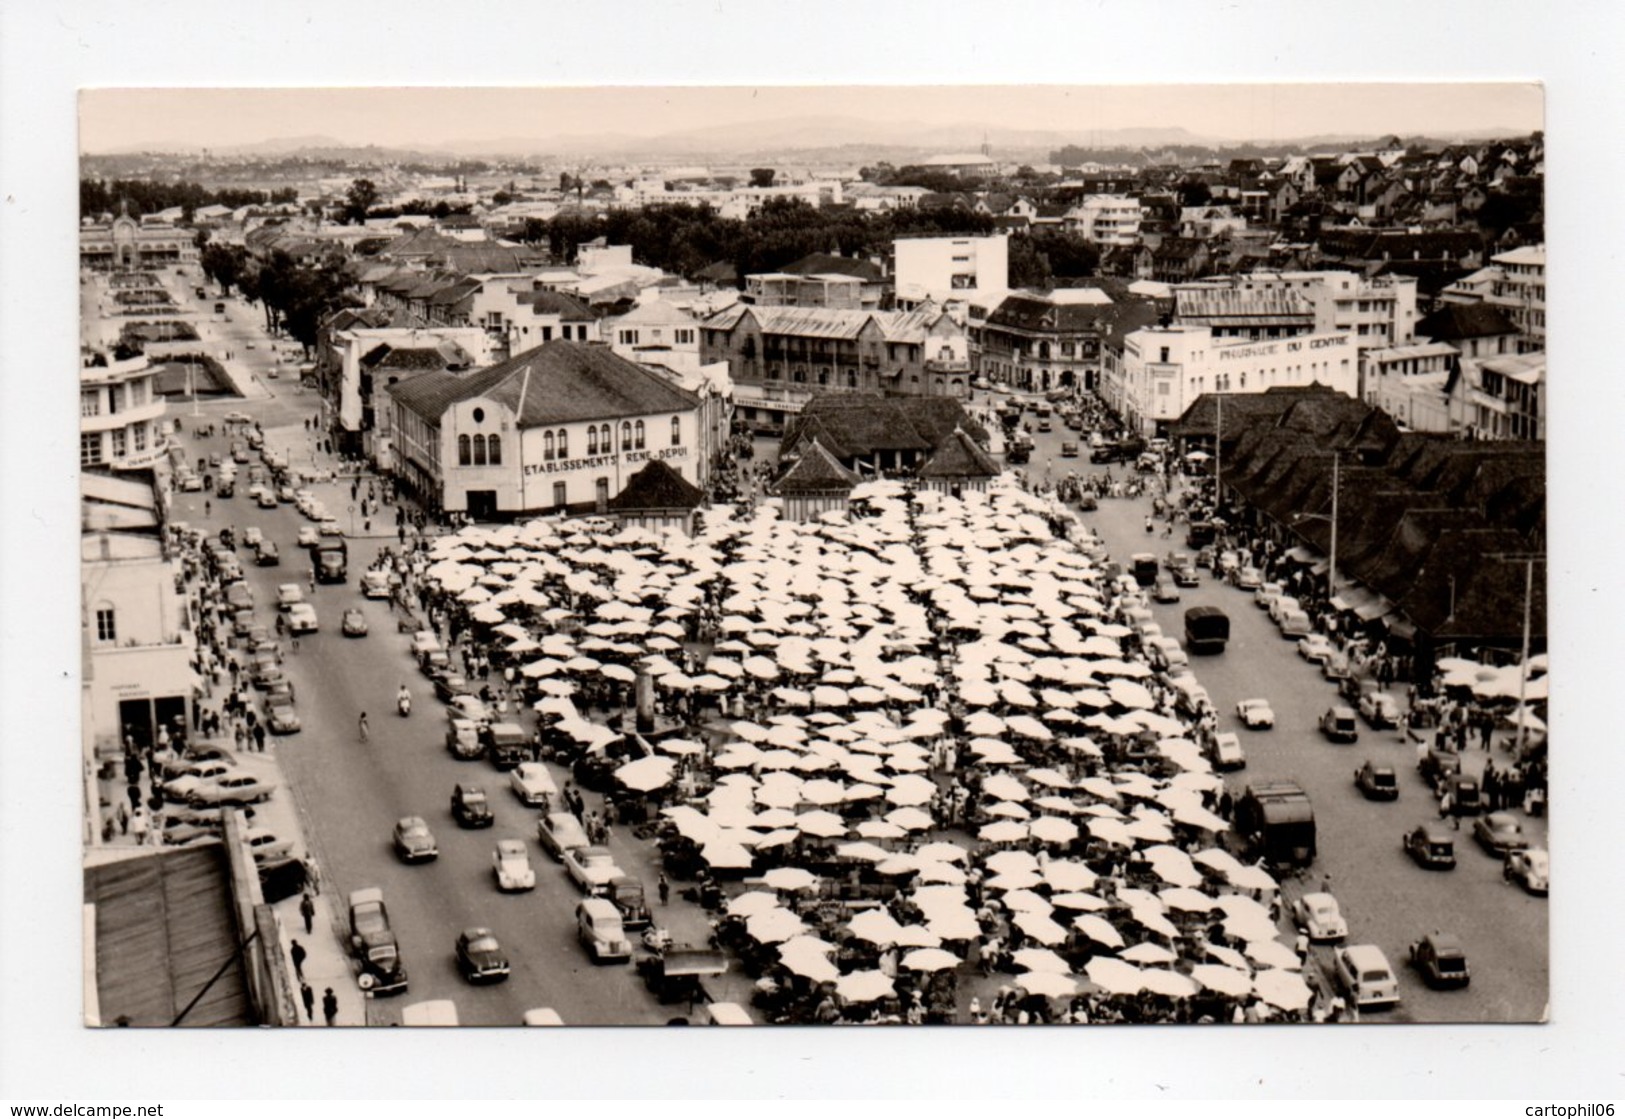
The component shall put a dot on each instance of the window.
(626, 436)
(592, 440)
(823, 376)
(119, 447)
(564, 443)
(558, 495)
(114, 394)
(90, 448)
(465, 453)
(547, 334)
(637, 435)
(90, 404)
(676, 431)
(547, 446)
(493, 444)
(1164, 358)
(140, 437)
(684, 337)
(604, 443)
(851, 378)
(629, 338)
(106, 628)
(479, 450)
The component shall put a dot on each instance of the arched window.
(637, 437)
(676, 431)
(479, 450)
(564, 443)
(626, 436)
(106, 623)
(547, 446)
(464, 456)
(592, 440)
(604, 443)
(493, 445)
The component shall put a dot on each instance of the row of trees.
(295, 297)
(144, 196)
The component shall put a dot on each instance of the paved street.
(1386, 898)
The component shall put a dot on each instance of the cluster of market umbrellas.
(834, 625)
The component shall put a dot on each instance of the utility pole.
(1528, 559)
(1218, 450)
(1331, 570)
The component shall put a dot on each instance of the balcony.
(954, 365)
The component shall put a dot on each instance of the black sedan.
(1499, 833)
(1377, 782)
(266, 554)
(470, 808)
(480, 958)
(354, 623)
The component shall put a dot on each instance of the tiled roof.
(657, 486)
(567, 307)
(960, 457)
(816, 471)
(567, 382)
(823, 264)
(1454, 321)
(858, 424)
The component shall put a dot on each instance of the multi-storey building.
(1505, 397)
(1520, 289)
(782, 357)
(1105, 219)
(1412, 383)
(1380, 312)
(121, 415)
(124, 242)
(949, 268)
(1040, 342)
(1165, 369)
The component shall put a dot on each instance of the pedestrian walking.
(313, 877)
(664, 888)
(296, 952)
(308, 997)
(307, 910)
(330, 1006)
(259, 737)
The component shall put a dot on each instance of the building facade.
(1165, 369)
(944, 268)
(1413, 384)
(126, 243)
(557, 429)
(1105, 219)
(121, 416)
(1520, 289)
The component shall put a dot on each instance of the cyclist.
(363, 726)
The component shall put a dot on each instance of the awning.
(1400, 628)
(1376, 608)
(1300, 554)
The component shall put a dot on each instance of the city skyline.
(122, 119)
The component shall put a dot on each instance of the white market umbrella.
(1147, 953)
(863, 852)
(1098, 929)
(1053, 829)
(1041, 959)
(1003, 831)
(864, 986)
(1224, 980)
(1285, 990)
(1041, 928)
(942, 851)
(774, 925)
(1047, 983)
(825, 825)
(1114, 976)
(879, 829)
(617, 672)
(1064, 874)
(1161, 981)
(647, 774)
(876, 926)
(929, 959)
(752, 903)
(911, 819)
(790, 878)
(1273, 954)
(726, 855)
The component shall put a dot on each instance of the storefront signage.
(1293, 345)
(651, 456)
(566, 466)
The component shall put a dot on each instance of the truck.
(505, 744)
(373, 944)
(1207, 629)
(329, 560)
(1276, 820)
(1200, 534)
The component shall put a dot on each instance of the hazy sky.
(120, 118)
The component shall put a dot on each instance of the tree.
(761, 176)
(358, 200)
(1195, 193)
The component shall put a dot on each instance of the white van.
(432, 1012)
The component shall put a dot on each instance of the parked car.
(1431, 846)
(265, 844)
(463, 738)
(252, 536)
(1255, 714)
(1165, 589)
(236, 788)
(172, 767)
(1379, 709)
(1338, 724)
(354, 623)
(1295, 623)
(599, 928)
(1281, 604)
(451, 685)
(266, 554)
(590, 868)
(329, 526)
(480, 958)
(1226, 753)
(1499, 833)
(1182, 566)
(280, 717)
(373, 944)
(1320, 917)
(1529, 867)
(511, 862)
(470, 808)
(559, 832)
(1377, 782)
(375, 584)
(289, 595)
(266, 498)
(414, 842)
(533, 783)
(1441, 960)
(193, 777)
(1364, 975)
(1249, 578)
(1336, 667)
(1316, 648)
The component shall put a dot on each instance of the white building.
(1520, 289)
(1380, 312)
(945, 269)
(121, 415)
(1166, 368)
(1105, 219)
(1412, 384)
(560, 428)
(663, 332)
(138, 642)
